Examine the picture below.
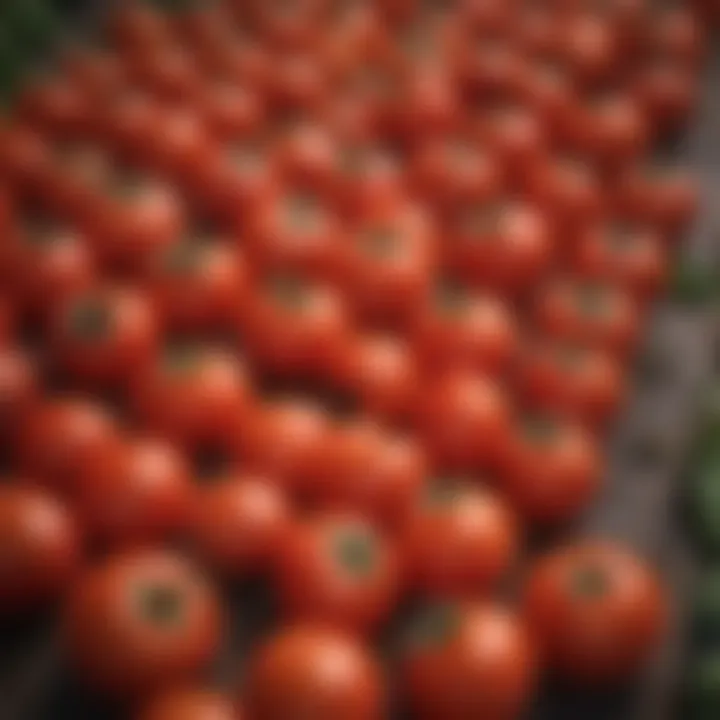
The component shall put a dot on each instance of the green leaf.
(702, 688)
(695, 283)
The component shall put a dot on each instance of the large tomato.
(288, 678)
(589, 46)
(597, 610)
(469, 660)
(19, 391)
(141, 622)
(191, 704)
(41, 548)
(458, 539)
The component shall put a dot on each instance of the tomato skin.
(232, 112)
(190, 704)
(464, 420)
(117, 628)
(99, 75)
(56, 107)
(458, 538)
(307, 156)
(478, 662)
(537, 31)
(288, 25)
(296, 81)
(287, 678)
(551, 471)
(8, 321)
(490, 67)
(167, 71)
(104, 335)
(549, 89)
(337, 570)
(135, 27)
(142, 497)
(193, 394)
(25, 156)
(19, 390)
(198, 283)
(41, 548)
(505, 245)
(597, 610)
(676, 32)
(238, 523)
(589, 46)
(602, 315)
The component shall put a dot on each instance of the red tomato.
(193, 394)
(389, 263)
(488, 17)
(104, 335)
(57, 107)
(288, 23)
(198, 283)
(142, 622)
(242, 60)
(464, 420)
(677, 33)
(589, 45)
(551, 471)
(99, 74)
(135, 27)
(307, 155)
(61, 437)
(7, 322)
(297, 81)
(459, 327)
(41, 548)
(491, 66)
(190, 704)
(168, 71)
(19, 390)
(293, 326)
(597, 610)
(549, 89)
(202, 26)
(573, 380)
(238, 523)
(468, 660)
(288, 678)
(503, 244)
(537, 29)
(142, 495)
(589, 312)
(633, 256)
(337, 570)
(459, 539)
(231, 111)
(25, 156)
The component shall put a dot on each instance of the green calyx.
(90, 319)
(289, 290)
(589, 583)
(434, 626)
(355, 550)
(540, 429)
(380, 242)
(160, 605)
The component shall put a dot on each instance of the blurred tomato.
(57, 107)
(19, 391)
(167, 71)
(99, 74)
(136, 26)
(190, 704)
(231, 111)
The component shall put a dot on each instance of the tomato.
(137, 26)
(664, 197)
(491, 67)
(597, 610)
(489, 17)
(551, 471)
(167, 71)
(573, 380)
(104, 335)
(502, 244)
(453, 171)
(296, 81)
(56, 107)
(294, 326)
(389, 263)
(133, 218)
(99, 74)
(238, 522)
(200, 26)
(337, 570)
(381, 372)
(242, 60)
(676, 32)
(464, 420)
(589, 46)
(287, 440)
(288, 23)
(141, 622)
(41, 548)
(307, 155)
(632, 255)
(288, 678)
(537, 29)
(230, 111)
(25, 156)
(61, 437)
(193, 394)
(468, 660)
(7, 322)
(19, 391)
(144, 495)
(599, 314)
(190, 704)
(459, 327)
(198, 283)
(459, 538)
(549, 89)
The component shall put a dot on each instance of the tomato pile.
(343, 296)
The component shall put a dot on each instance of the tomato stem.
(355, 550)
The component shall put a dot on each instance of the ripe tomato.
(238, 522)
(202, 26)
(193, 394)
(55, 106)
(190, 704)
(468, 660)
(287, 440)
(19, 391)
(168, 71)
(677, 33)
(230, 111)
(295, 230)
(573, 380)
(198, 283)
(297, 81)
(503, 244)
(632, 255)
(597, 610)
(25, 156)
(337, 570)
(287, 24)
(99, 74)
(381, 372)
(104, 335)
(549, 89)
(142, 495)
(464, 421)
(242, 60)
(141, 622)
(589, 46)
(288, 678)
(389, 263)
(459, 327)
(135, 27)
(459, 538)
(552, 469)
(599, 314)
(61, 437)
(537, 29)
(7, 321)
(294, 326)
(41, 548)
(490, 66)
